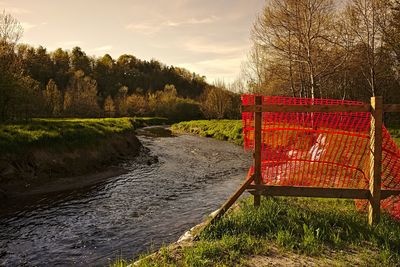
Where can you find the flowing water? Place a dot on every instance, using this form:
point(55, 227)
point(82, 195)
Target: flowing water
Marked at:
point(128, 214)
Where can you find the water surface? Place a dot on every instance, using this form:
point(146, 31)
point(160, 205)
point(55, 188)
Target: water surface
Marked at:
point(129, 214)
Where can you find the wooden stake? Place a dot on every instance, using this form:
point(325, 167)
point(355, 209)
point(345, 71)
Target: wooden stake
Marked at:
point(257, 149)
point(375, 160)
point(232, 200)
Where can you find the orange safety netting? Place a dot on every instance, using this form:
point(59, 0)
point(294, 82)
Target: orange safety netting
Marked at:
point(321, 149)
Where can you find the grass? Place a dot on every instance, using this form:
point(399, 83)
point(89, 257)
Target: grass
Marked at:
point(56, 133)
point(228, 130)
point(395, 133)
point(319, 229)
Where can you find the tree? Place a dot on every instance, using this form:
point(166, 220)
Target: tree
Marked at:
point(136, 105)
point(109, 107)
point(10, 29)
point(38, 64)
point(294, 41)
point(53, 98)
point(10, 71)
point(81, 96)
point(61, 66)
point(104, 72)
point(121, 101)
point(79, 61)
point(216, 103)
point(367, 25)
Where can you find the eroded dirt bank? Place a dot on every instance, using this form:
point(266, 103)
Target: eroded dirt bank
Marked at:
point(47, 169)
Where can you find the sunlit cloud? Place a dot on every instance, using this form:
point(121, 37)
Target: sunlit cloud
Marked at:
point(69, 43)
point(103, 48)
point(217, 69)
point(153, 27)
point(144, 28)
point(191, 21)
point(201, 45)
point(13, 10)
point(27, 26)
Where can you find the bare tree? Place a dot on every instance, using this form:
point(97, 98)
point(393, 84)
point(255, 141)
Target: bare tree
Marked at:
point(10, 33)
point(367, 25)
point(299, 37)
point(10, 29)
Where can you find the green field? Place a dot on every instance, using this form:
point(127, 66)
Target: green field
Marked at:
point(16, 138)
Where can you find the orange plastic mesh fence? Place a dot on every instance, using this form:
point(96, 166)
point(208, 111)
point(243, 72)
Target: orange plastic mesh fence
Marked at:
point(321, 149)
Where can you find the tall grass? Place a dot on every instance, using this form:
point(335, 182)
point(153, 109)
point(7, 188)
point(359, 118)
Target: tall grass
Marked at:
point(314, 227)
point(16, 138)
point(306, 225)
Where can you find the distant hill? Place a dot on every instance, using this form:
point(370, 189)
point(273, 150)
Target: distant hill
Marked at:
point(139, 76)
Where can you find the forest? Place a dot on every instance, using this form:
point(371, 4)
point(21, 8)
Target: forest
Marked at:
point(317, 49)
point(61, 83)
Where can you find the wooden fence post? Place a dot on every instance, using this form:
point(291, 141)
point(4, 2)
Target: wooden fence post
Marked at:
point(375, 160)
point(257, 149)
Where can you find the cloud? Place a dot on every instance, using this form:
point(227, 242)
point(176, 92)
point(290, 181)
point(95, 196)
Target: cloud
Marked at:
point(70, 43)
point(155, 26)
point(27, 26)
point(200, 45)
point(13, 10)
point(144, 28)
point(218, 68)
point(103, 48)
point(191, 21)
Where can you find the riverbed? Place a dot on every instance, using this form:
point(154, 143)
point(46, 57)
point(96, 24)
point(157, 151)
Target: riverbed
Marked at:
point(129, 214)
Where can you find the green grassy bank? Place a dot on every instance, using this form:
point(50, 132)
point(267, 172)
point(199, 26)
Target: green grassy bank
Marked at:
point(34, 155)
point(228, 130)
point(61, 133)
point(288, 231)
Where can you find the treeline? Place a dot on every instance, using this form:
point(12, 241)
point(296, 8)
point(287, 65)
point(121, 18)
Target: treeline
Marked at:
point(328, 49)
point(38, 83)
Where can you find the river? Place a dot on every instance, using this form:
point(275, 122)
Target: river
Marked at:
point(129, 214)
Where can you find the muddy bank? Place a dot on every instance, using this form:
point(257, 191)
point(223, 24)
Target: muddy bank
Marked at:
point(47, 169)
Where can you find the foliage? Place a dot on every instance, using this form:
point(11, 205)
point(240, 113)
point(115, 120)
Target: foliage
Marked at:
point(219, 103)
point(80, 98)
point(230, 130)
point(109, 107)
point(166, 103)
point(53, 99)
point(15, 138)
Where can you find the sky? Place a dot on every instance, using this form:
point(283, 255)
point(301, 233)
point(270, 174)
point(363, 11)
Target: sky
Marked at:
point(209, 37)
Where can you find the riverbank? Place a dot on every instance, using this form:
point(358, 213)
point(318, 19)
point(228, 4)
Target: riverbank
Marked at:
point(225, 130)
point(283, 231)
point(36, 154)
point(287, 232)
